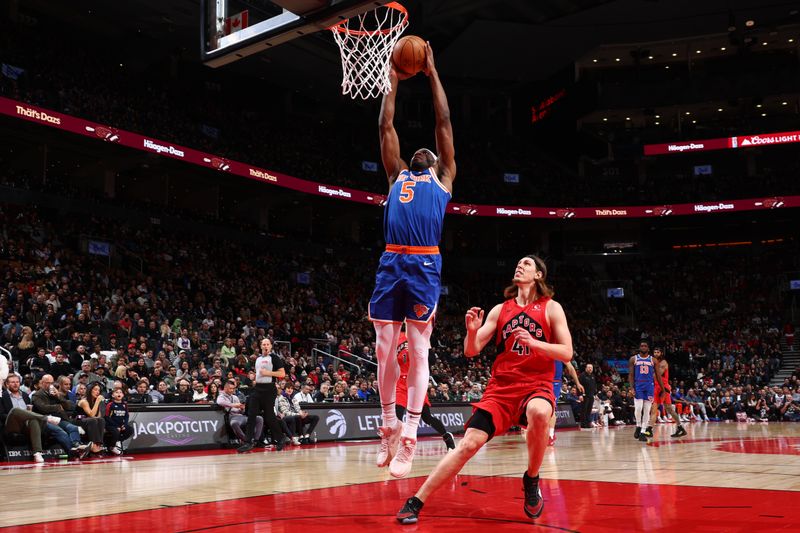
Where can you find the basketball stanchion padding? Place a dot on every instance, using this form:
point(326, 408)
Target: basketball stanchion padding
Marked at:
point(365, 44)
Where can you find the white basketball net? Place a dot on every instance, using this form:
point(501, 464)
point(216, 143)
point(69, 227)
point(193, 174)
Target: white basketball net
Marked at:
point(366, 43)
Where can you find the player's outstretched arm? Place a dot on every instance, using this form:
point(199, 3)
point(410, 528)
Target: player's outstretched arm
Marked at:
point(479, 335)
point(390, 143)
point(444, 129)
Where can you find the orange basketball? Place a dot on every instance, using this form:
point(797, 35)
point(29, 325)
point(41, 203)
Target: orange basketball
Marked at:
point(409, 56)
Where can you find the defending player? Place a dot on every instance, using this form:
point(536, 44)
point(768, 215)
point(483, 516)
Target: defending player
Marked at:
point(557, 393)
point(402, 396)
point(641, 377)
point(663, 393)
point(530, 331)
point(407, 284)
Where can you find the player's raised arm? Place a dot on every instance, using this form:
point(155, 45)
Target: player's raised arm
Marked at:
point(479, 335)
point(390, 143)
point(444, 129)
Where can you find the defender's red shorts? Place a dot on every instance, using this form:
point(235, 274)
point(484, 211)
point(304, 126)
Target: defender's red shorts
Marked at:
point(506, 402)
point(662, 397)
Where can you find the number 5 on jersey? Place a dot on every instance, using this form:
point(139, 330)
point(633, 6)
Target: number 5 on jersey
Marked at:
point(407, 191)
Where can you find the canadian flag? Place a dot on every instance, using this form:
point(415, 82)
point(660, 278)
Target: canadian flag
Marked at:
point(236, 22)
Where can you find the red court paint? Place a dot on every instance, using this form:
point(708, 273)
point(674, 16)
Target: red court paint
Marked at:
point(470, 502)
point(776, 446)
point(761, 445)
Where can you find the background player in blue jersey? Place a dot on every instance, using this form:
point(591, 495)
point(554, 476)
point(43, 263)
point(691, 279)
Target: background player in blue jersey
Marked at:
point(407, 284)
point(641, 371)
point(557, 382)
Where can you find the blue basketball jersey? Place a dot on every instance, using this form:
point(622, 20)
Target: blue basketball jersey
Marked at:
point(559, 371)
point(415, 209)
point(643, 371)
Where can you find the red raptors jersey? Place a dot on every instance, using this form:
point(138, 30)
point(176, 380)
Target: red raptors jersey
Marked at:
point(517, 363)
point(402, 382)
point(402, 356)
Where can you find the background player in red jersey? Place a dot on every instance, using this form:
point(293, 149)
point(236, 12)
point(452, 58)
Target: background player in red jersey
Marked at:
point(408, 281)
point(531, 332)
point(402, 394)
point(662, 395)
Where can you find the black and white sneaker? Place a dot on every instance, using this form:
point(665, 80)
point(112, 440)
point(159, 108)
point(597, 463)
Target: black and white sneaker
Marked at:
point(409, 514)
point(534, 503)
point(449, 441)
point(637, 432)
point(680, 432)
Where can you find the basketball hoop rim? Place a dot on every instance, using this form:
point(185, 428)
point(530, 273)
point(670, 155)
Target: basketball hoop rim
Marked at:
point(341, 27)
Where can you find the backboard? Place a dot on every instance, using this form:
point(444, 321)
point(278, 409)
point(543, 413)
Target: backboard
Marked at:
point(233, 29)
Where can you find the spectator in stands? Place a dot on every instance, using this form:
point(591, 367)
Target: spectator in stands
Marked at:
point(16, 416)
point(46, 401)
point(286, 412)
point(100, 376)
point(90, 416)
point(158, 394)
point(212, 392)
point(141, 394)
point(65, 389)
point(339, 391)
point(725, 409)
point(363, 392)
point(171, 379)
point(791, 410)
point(228, 352)
point(373, 389)
point(324, 394)
point(712, 405)
point(445, 394)
point(184, 392)
point(306, 394)
point(60, 367)
point(199, 395)
point(475, 393)
point(12, 330)
point(306, 422)
point(352, 395)
point(229, 401)
point(117, 426)
point(85, 369)
point(698, 405)
point(25, 347)
point(78, 357)
point(38, 364)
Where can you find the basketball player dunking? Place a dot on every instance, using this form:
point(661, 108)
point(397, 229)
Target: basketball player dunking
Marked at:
point(662, 395)
point(557, 382)
point(530, 331)
point(641, 377)
point(407, 284)
point(401, 399)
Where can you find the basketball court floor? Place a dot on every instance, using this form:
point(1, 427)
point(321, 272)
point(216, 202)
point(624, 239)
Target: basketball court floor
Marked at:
point(721, 477)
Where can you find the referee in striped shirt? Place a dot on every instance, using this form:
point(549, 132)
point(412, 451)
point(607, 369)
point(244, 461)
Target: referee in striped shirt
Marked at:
point(269, 367)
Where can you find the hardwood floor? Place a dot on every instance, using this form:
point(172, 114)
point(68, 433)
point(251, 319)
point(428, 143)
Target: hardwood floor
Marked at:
point(713, 457)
